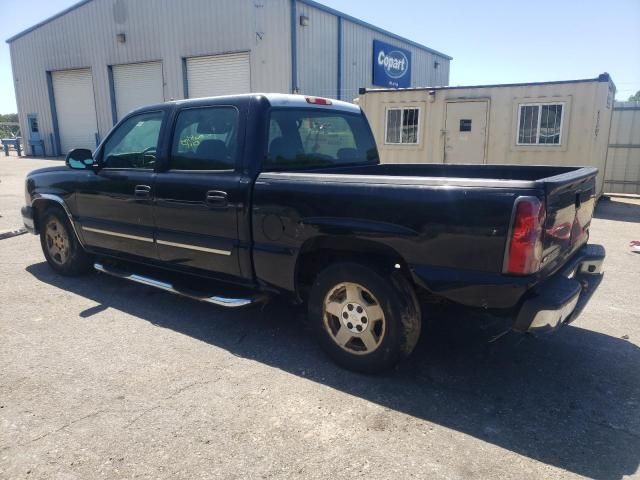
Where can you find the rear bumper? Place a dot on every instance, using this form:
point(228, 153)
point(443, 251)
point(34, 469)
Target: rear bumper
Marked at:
point(27, 219)
point(559, 300)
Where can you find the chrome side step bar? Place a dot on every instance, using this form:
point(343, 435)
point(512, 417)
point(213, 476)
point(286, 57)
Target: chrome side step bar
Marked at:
point(168, 287)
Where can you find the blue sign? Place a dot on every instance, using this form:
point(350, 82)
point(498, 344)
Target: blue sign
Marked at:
point(391, 66)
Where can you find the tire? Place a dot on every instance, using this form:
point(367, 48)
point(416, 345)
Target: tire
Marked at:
point(60, 245)
point(365, 321)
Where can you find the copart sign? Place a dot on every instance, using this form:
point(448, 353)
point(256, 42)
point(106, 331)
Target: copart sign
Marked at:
point(391, 66)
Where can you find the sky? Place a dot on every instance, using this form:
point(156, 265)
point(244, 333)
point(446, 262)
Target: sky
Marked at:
point(491, 41)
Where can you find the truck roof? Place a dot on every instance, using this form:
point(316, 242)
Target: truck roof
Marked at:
point(278, 100)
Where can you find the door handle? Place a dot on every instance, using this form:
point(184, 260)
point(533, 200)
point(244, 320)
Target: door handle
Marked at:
point(216, 198)
point(142, 191)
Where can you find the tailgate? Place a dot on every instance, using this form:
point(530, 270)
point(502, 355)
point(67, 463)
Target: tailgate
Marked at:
point(570, 199)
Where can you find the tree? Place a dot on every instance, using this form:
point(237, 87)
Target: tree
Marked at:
point(9, 117)
point(636, 97)
point(8, 131)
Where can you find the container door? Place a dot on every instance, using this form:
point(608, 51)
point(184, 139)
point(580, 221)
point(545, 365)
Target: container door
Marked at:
point(218, 75)
point(137, 85)
point(465, 132)
point(75, 109)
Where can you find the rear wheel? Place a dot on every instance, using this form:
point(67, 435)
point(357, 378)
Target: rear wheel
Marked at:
point(60, 245)
point(366, 321)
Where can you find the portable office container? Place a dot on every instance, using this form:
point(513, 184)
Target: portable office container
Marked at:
point(546, 123)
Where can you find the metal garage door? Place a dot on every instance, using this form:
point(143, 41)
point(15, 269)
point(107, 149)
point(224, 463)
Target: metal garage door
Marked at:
point(75, 109)
point(218, 75)
point(136, 85)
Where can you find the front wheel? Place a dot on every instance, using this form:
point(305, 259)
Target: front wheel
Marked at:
point(365, 321)
point(60, 245)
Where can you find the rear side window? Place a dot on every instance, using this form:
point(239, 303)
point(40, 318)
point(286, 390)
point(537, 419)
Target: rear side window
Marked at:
point(205, 139)
point(301, 139)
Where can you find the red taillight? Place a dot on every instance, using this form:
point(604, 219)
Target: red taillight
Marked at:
point(524, 254)
point(318, 100)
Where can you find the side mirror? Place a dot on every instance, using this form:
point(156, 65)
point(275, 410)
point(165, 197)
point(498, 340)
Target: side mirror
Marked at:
point(80, 159)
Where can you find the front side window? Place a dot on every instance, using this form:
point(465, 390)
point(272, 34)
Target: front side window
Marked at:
point(402, 126)
point(540, 124)
point(205, 139)
point(300, 138)
point(133, 144)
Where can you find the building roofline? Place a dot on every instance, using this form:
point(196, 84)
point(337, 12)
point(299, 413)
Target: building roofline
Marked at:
point(604, 77)
point(310, 3)
point(47, 20)
point(362, 23)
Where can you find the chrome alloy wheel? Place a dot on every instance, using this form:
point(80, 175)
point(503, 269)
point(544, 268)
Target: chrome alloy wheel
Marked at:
point(354, 318)
point(57, 240)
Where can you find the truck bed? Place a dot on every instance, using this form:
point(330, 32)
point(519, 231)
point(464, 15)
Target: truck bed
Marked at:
point(450, 222)
point(523, 176)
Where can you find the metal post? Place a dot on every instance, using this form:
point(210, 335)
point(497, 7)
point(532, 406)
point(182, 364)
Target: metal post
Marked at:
point(294, 46)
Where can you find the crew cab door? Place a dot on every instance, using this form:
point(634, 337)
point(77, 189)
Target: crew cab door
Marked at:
point(200, 192)
point(115, 204)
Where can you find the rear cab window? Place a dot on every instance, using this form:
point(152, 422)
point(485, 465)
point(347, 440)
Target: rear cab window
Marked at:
point(313, 138)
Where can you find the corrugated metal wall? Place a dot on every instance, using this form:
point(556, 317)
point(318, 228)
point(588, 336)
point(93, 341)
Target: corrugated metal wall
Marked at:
point(165, 30)
point(317, 52)
point(357, 61)
point(317, 56)
point(623, 155)
point(170, 31)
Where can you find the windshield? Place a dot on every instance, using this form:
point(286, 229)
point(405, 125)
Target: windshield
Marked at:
point(300, 139)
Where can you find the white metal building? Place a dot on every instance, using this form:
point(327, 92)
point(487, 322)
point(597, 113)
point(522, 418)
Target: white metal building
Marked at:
point(546, 123)
point(80, 71)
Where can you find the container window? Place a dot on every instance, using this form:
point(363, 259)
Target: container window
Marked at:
point(540, 124)
point(402, 126)
point(465, 125)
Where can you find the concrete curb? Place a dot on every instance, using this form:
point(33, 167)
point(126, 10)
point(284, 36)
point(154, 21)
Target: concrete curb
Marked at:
point(12, 233)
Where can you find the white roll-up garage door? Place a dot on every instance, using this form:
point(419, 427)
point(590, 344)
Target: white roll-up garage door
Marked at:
point(136, 85)
point(75, 108)
point(218, 75)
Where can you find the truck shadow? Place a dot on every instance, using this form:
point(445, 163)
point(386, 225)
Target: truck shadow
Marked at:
point(571, 400)
point(619, 209)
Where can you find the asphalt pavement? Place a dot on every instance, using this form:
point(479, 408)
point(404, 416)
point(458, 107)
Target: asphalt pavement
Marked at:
point(101, 378)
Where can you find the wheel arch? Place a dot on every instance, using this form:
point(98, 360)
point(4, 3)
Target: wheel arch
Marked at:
point(318, 252)
point(42, 201)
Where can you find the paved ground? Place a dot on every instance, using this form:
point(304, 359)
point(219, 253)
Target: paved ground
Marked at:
point(100, 378)
point(12, 172)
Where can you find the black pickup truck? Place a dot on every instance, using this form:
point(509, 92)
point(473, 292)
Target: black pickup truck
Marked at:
point(232, 200)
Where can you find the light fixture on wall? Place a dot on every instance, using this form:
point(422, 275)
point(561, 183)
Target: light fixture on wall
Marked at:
point(436, 64)
point(121, 37)
point(304, 21)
